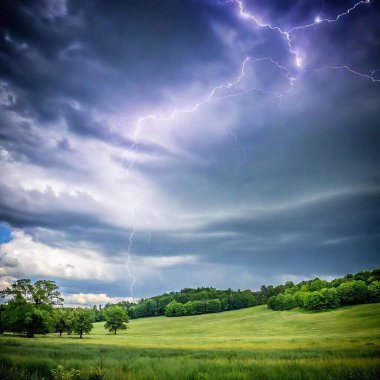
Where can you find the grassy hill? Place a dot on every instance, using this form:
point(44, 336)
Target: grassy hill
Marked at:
point(243, 344)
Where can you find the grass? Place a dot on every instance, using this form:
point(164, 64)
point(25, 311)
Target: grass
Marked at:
point(253, 343)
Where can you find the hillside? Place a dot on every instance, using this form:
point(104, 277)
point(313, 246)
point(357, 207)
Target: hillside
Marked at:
point(240, 344)
point(257, 327)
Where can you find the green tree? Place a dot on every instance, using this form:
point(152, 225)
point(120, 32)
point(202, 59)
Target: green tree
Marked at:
point(116, 318)
point(2, 318)
point(175, 309)
point(299, 298)
point(318, 284)
point(42, 292)
point(331, 297)
point(213, 306)
point(24, 318)
point(61, 321)
point(150, 308)
point(374, 291)
point(80, 321)
point(315, 301)
point(353, 292)
point(288, 302)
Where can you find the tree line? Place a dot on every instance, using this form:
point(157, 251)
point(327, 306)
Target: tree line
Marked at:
point(37, 308)
point(317, 294)
point(314, 294)
point(190, 301)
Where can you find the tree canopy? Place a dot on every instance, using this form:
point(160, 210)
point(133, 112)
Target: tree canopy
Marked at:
point(116, 318)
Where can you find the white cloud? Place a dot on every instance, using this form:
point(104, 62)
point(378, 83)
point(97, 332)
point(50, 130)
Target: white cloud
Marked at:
point(166, 261)
point(92, 299)
point(36, 259)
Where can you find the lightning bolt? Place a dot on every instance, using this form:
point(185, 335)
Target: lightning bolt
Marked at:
point(129, 255)
point(345, 67)
point(212, 95)
point(286, 34)
point(319, 20)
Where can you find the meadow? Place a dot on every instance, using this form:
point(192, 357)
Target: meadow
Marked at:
point(252, 343)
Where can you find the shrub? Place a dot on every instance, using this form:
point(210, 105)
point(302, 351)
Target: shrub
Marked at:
point(60, 373)
point(213, 306)
point(331, 297)
point(315, 301)
point(96, 373)
point(353, 292)
point(374, 291)
point(299, 298)
point(276, 302)
point(175, 309)
point(288, 302)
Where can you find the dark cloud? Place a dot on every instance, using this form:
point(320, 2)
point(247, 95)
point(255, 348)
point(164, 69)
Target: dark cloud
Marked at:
point(273, 177)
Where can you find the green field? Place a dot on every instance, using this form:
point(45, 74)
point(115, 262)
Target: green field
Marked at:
point(243, 344)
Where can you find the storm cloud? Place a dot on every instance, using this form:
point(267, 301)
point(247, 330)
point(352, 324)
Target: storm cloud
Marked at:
point(107, 127)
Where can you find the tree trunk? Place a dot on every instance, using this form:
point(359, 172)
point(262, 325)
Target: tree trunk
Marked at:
point(29, 334)
point(60, 333)
point(115, 331)
point(80, 334)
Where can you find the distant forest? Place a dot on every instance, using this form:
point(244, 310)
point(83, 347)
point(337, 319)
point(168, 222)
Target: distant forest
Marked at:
point(316, 294)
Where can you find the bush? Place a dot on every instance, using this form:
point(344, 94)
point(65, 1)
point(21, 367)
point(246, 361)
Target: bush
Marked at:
point(61, 374)
point(276, 302)
point(374, 291)
point(213, 306)
point(331, 297)
point(175, 309)
point(299, 298)
point(288, 302)
point(318, 284)
point(96, 373)
point(353, 292)
point(315, 301)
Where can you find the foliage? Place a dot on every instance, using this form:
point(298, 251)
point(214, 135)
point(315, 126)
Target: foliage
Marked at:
point(175, 309)
point(374, 291)
point(353, 292)
point(116, 318)
point(42, 292)
point(61, 321)
point(80, 321)
point(60, 373)
point(350, 289)
point(22, 317)
point(96, 373)
point(321, 295)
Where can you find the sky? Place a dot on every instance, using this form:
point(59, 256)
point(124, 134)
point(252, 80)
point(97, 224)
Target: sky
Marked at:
point(147, 146)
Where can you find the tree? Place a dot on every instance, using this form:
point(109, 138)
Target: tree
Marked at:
point(80, 321)
point(116, 318)
point(24, 318)
point(175, 309)
point(299, 298)
point(288, 302)
point(150, 308)
point(213, 306)
point(60, 321)
point(315, 301)
point(353, 292)
point(318, 284)
point(331, 297)
point(2, 318)
point(132, 312)
point(374, 291)
point(42, 292)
